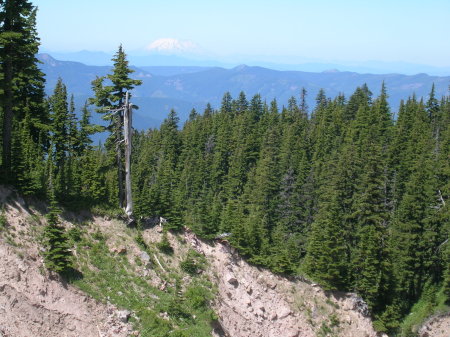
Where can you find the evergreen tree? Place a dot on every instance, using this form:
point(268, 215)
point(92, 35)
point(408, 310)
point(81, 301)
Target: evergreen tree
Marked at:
point(22, 83)
point(408, 234)
point(60, 140)
point(28, 160)
point(109, 98)
point(57, 255)
point(326, 257)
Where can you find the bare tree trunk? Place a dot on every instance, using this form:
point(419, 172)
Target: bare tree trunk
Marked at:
point(127, 135)
point(119, 140)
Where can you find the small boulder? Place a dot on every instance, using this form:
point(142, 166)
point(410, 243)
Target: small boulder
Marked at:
point(123, 315)
point(232, 280)
point(283, 312)
point(145, 257)
point(292, 332)
point(271, 284)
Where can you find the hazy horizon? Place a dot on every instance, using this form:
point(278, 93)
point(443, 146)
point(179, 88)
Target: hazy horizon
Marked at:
point(252, 32)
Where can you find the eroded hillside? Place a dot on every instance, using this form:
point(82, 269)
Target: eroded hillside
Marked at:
point(163, 284)
point(34, 302)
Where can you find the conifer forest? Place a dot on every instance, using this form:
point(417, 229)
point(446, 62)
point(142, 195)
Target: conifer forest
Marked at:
point(346, 193)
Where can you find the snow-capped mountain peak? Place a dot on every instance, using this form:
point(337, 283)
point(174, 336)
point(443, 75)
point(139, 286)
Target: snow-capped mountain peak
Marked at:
point(172, 46)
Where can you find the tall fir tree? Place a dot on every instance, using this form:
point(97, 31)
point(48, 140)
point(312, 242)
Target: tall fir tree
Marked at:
point(108, 99)
point(22, 83)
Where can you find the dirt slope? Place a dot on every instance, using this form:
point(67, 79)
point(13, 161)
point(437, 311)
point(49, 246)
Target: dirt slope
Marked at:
point(438, 326)
point(34, 303)
point(252, 302)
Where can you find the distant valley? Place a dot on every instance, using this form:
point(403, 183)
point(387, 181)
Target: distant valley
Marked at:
point(185, 87)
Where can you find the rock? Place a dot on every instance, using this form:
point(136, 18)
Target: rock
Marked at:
point(120, 250)
point(145, 257)
point(123, 315)
point(360, 306)
point(232, 280)
point(22, 267)
point(283, 312)
point(347, 319)
point(271, 284)
point(292, 332)
point(273, 316)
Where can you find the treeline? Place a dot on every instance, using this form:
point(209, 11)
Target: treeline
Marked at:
point(46, 150)
point(342, 193)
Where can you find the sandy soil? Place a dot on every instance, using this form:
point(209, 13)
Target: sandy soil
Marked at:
point(437, 326)
point(34, 303)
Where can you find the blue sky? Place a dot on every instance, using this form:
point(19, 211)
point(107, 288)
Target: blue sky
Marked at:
point(279, 31)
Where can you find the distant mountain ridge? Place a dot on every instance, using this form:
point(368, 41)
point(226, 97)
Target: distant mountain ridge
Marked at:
point(142, 58)
point(183, 88)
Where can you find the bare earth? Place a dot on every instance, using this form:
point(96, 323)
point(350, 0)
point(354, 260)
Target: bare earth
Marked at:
point(438, 326)
point(255, 303)
point(34, 303)
point(250, 302)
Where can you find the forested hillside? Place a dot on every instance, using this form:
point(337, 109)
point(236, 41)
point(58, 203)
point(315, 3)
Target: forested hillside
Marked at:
point(164, 88)
point(340, 192)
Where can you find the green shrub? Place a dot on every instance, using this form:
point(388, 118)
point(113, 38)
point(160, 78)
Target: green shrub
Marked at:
point(177, 310)
point(198, 297)
point(75, 234)
point(180, 333)
point(3, 220)
point(193, 262)
point(324, 331)
point(98, 236)
point(140, 241)
point(164, 245)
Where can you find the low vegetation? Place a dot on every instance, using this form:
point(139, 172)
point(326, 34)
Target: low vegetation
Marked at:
point(172, 308)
